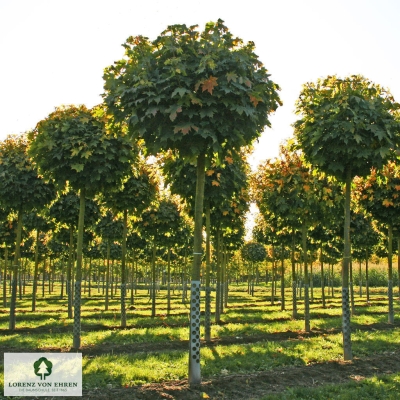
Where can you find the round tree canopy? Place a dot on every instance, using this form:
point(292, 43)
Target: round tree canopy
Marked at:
point(191, 91)
point(72, 144)
point(348, 124)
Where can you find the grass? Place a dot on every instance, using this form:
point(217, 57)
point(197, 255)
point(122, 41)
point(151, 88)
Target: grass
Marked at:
point(386, 387)
point(244, 318)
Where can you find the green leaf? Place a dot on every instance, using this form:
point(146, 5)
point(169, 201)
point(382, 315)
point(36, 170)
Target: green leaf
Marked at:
point(180, 91)
point(358, 138)
point(77, 167)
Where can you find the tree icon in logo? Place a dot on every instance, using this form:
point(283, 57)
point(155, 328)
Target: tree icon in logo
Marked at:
point(43, 367)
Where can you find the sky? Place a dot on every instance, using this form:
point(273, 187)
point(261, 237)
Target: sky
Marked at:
point(54, 52)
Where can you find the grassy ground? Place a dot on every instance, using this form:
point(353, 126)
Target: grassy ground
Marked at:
point(253, 338)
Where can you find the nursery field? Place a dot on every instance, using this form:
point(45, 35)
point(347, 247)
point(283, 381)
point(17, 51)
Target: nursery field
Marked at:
point(257, 351)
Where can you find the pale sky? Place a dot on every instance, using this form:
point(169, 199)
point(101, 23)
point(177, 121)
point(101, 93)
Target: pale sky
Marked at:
point(54, 52)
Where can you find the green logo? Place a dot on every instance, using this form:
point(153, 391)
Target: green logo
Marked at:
point(43, 367)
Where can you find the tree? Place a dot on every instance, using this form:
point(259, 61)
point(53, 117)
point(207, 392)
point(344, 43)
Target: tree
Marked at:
point(73, 145)
point(109, 228)
point(224, 191)
point(65, 210)
point(253, 253)
point(136, 193)
point(379, 195)
point(347, 126)
point(204, 88)
point(160, 224)
point(21, 190)
point(297, 198)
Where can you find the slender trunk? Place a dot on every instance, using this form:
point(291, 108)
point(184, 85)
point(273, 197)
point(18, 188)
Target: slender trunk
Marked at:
point(36, 271)
point(273, 276)
point(366, 275)
point(322, 277)
point(398, 262)
point(13, 302)
point(347, 352)
point(311, 280)
point(306, 292)
point(352, 304)
point(282, 280)
point(78, 273)
point(43, 275)
point(207, 319)
point(50, 276)
point(218, 284)
point(62, 283)
point(153, 278)
point(294, 278)
point(5, 277)
point(360, 278)
point(226, 285)
point(107, 275)
point(222, 283)
point(169, 282)
point(390, 275)
point(194, 339)
point(133, 286)
point(69, 270)
point(123, 270)
point(90, 277)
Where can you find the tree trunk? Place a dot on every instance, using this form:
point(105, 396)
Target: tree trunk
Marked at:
point(294, 278)
point(194, 339)
point(347, 352)
point(282, 280)
point(169, 282)
point(398, 263)
point(353, 307)
point(311, 281)
point(306, 280)
point(322, 278)
point(36, 271)
point(123, 270)
point(273, 277)
point(5, 277)
point(218, 284)
point(13, 302)
point(90, 277)
point(78, 273)
point(153, 283)
point(366, 275)
point(69, 270)
point(207, 317)
point(107, 275)
point(390, 274)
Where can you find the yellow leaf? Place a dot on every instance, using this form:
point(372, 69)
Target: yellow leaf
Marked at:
point(229, 160)
point(209, 172)
point(387, 203)
point(204, 395)
point(209, 84)
point(225, 212)
point(215, 183)
point(254, 100)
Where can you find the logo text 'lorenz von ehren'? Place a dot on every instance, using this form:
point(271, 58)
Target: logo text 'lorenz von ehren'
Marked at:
point(42, 374)
point(43, 367)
